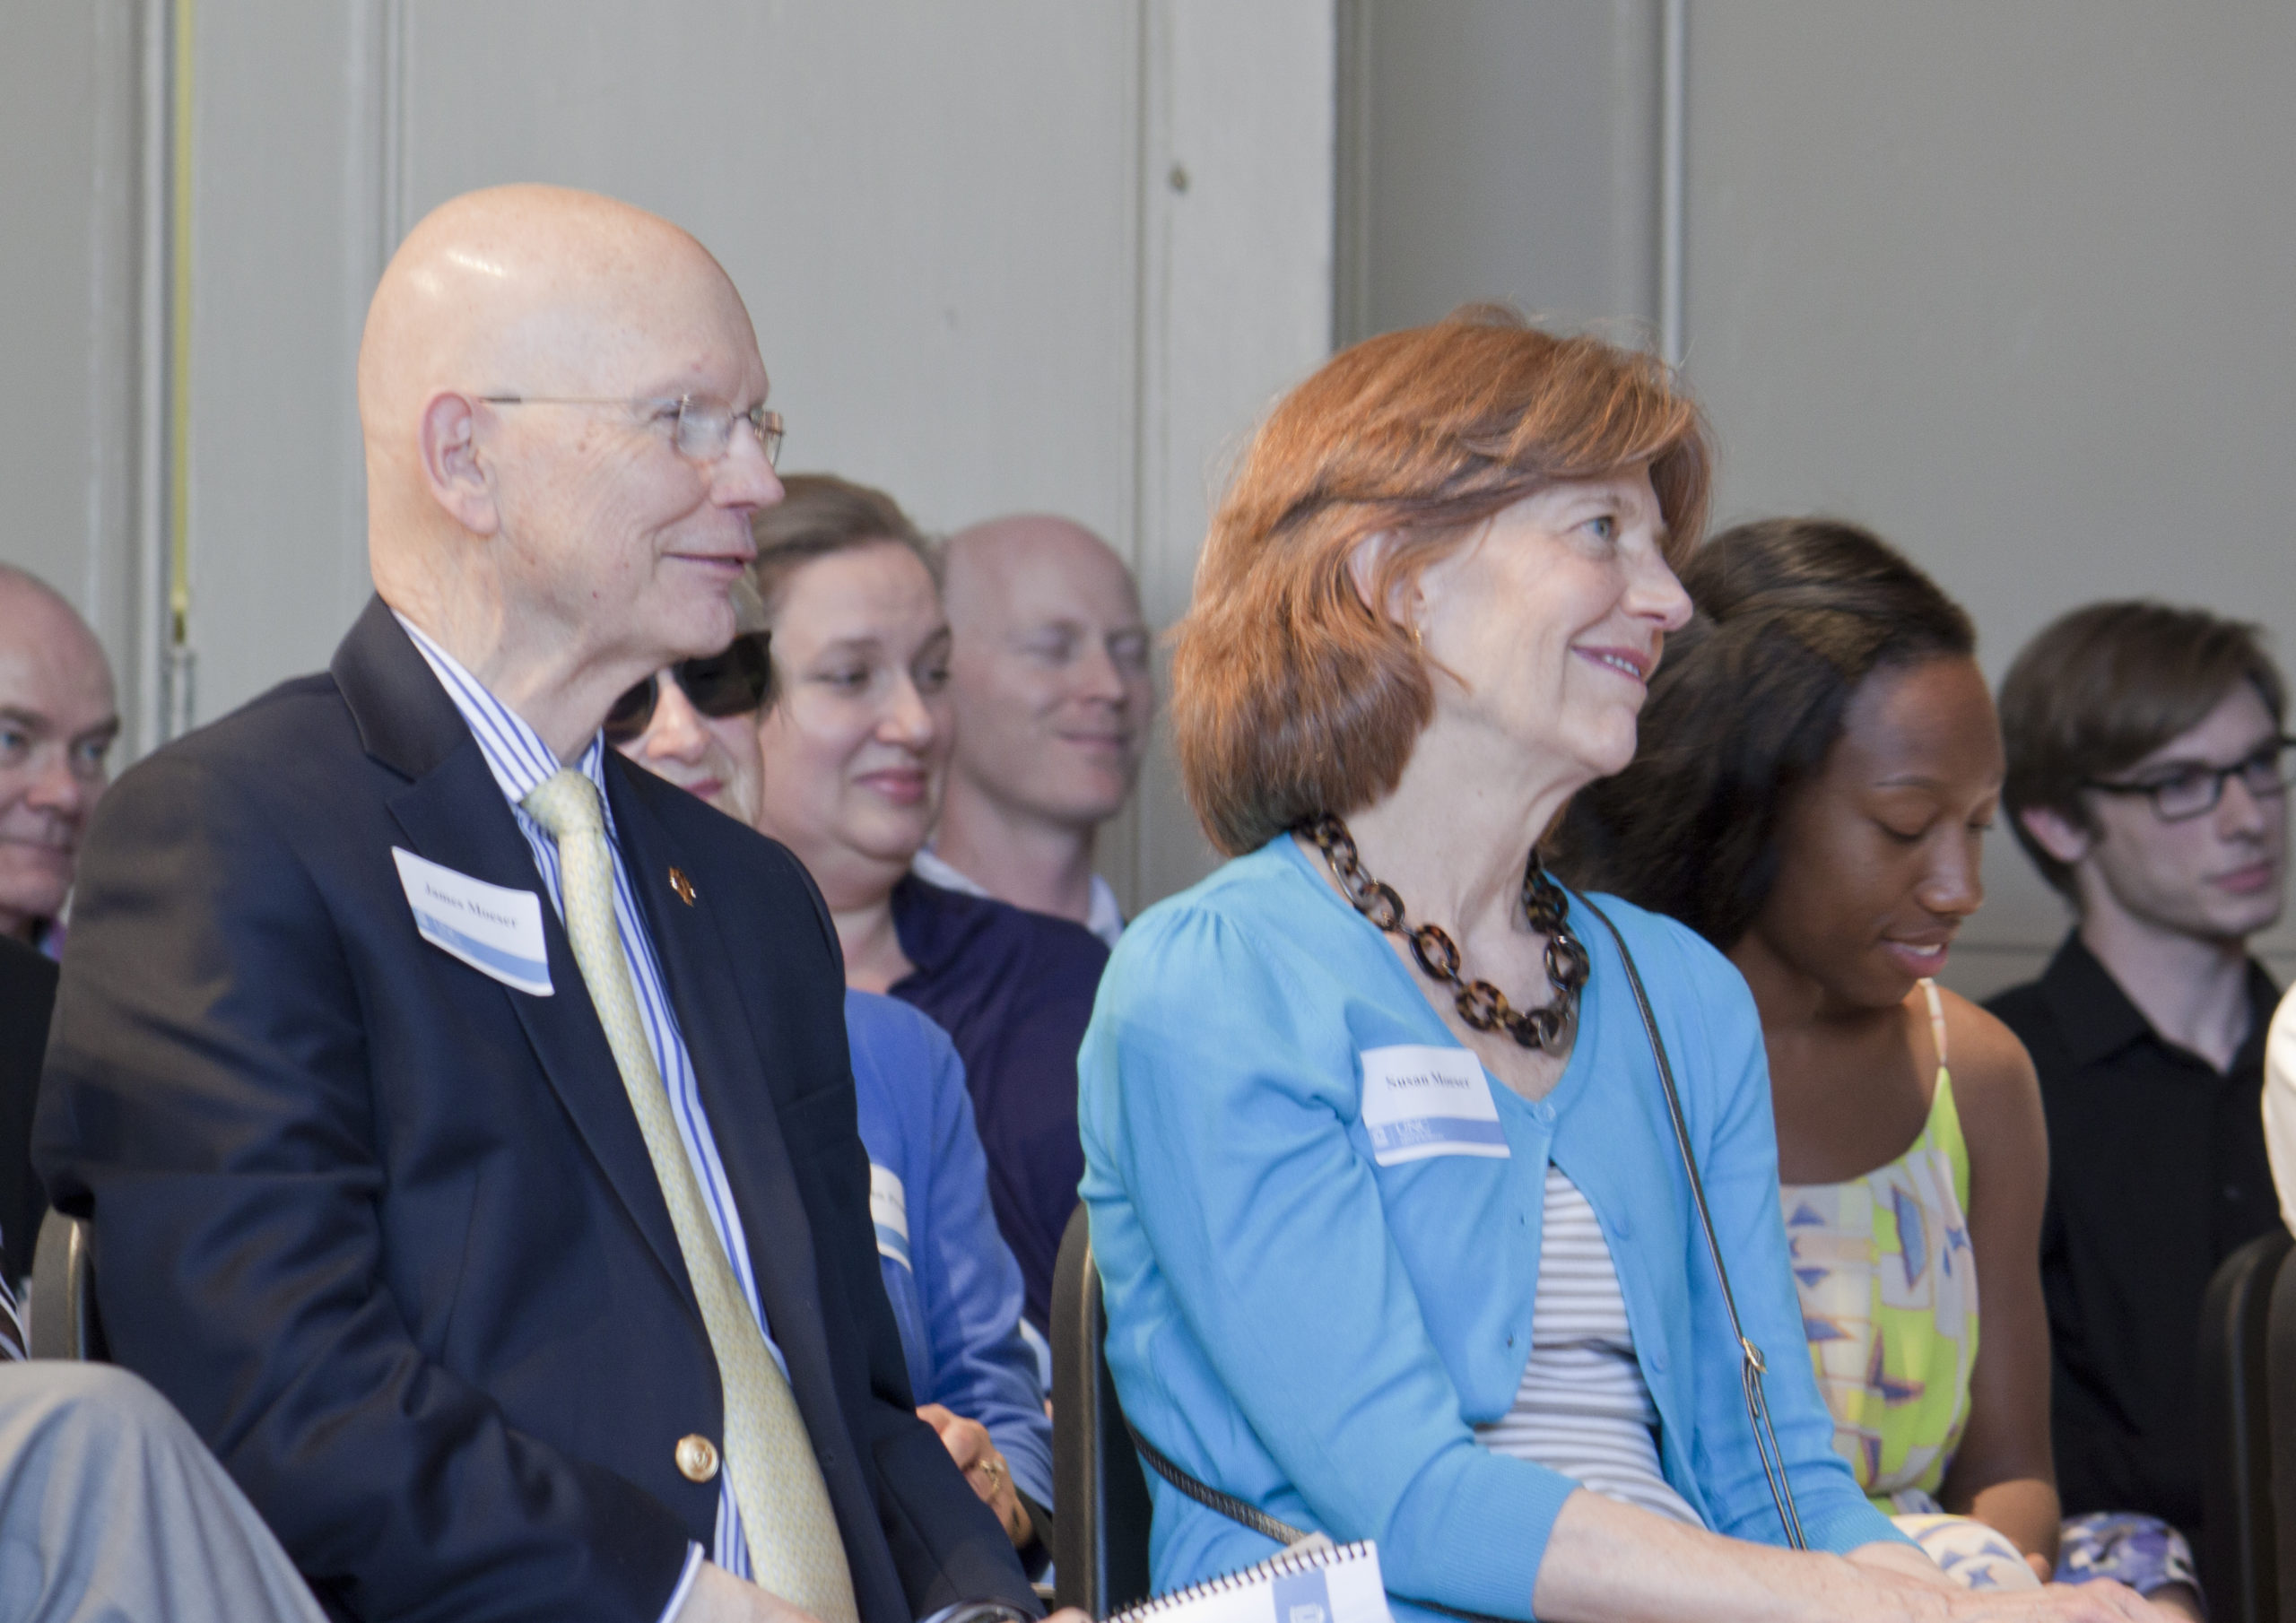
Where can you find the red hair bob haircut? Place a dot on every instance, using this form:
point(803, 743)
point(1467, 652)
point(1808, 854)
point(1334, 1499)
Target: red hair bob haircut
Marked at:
point(1290, 696)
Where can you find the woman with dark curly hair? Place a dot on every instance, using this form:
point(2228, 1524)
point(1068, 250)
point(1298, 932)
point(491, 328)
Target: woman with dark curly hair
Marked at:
point(1390, 1191)
point(1819, 763)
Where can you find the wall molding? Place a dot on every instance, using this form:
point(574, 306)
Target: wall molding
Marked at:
point(147, 552)
point(1674, 199)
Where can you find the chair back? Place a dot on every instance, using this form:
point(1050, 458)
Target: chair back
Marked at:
point(2237, 1567)
point(63, 1307)
point(2278, 1498)
point(1100, 1529)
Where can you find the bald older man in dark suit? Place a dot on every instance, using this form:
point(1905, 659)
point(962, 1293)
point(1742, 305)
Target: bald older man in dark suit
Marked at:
point(465, 1116)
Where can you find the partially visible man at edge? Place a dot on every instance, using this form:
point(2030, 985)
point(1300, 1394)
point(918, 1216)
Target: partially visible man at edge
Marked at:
point(477, 1243)
point(2147, 781)
point(1049, 673)
point(58, 721)
point(58, 718)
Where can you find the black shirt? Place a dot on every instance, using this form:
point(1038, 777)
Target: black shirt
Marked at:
point(1014, 989)
point(2157, 1174)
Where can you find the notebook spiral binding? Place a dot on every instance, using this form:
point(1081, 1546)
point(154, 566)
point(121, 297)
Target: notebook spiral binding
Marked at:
point(1276, 1566)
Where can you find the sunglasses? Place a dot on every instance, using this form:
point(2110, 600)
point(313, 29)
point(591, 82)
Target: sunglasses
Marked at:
point(732, 683)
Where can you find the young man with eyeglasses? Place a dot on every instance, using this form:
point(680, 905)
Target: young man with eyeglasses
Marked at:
point(2148, 782)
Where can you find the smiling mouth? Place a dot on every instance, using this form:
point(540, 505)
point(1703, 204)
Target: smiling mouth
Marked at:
point(1625, 664)
point(1920, 955)
point(902, 787)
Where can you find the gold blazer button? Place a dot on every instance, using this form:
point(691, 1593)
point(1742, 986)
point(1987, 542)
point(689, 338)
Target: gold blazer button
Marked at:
point(697, 1458)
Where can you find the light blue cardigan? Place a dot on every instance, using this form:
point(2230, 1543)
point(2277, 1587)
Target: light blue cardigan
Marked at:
point(1315, 1334)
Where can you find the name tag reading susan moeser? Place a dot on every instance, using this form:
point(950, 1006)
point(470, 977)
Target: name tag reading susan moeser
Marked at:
point(1422, 1101)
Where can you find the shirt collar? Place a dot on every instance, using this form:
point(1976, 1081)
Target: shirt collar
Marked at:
point(514, 751)
point(2096, 1020)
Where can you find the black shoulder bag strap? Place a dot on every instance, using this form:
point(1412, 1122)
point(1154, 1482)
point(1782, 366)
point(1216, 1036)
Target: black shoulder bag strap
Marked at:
point(1751, 1363)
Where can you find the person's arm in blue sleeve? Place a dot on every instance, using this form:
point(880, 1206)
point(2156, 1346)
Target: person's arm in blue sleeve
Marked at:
point(1216, 1092)
point(1738, 1164)
point(982, 1369)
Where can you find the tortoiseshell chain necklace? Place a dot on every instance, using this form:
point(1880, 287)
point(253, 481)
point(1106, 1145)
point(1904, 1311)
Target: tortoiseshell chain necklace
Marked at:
point(1479, 1002)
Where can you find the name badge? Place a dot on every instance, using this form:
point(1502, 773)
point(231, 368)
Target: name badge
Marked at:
point(496, 932)
point(889, 1210)
point(1422, 1101)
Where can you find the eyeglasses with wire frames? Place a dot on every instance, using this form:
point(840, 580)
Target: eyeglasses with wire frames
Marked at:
point(2194, 790)
point(704, 428)
point(718, 685)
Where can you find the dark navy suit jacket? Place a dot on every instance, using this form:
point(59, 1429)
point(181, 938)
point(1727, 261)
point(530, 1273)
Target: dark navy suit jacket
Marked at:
point(384, 1229)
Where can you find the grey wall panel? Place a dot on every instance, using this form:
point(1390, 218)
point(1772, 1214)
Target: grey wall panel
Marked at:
point(2016, 284)
point(71, 119)
point(283, 257)
point(47, 70)
point(929, 212)
point(1499, 149)
point(964, 285)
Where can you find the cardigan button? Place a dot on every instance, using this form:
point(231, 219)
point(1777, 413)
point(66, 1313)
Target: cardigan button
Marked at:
point(697, 1458)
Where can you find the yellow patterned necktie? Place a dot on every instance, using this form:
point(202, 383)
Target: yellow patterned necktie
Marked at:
point(794, 1550)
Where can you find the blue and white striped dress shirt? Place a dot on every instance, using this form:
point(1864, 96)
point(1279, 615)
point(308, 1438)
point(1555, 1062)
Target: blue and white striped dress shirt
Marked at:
point(521, 762)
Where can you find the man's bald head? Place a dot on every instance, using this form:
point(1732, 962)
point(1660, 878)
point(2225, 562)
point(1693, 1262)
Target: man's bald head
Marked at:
point(530, 504)
point(530, 290)
point(985, 560)
point(57, 720)
point(1048, 666)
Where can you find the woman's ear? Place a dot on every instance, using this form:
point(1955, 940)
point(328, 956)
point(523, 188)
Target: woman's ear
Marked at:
point(2057, 834)
point(1403, 597)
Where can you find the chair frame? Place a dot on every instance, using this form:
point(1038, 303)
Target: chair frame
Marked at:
point(65, 1323)
point(2239, 1565)
point(1100, 1534)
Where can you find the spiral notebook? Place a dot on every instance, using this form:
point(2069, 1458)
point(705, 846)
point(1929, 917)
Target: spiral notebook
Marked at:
point(1329, 1583)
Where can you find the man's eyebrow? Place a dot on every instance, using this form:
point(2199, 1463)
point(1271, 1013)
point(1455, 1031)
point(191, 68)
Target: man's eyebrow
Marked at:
point(2185, 763)
point(109, 725)
point(30, 718)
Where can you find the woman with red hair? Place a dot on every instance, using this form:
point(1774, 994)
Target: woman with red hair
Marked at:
point(1433, 1204)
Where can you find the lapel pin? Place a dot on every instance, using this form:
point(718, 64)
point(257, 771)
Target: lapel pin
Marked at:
point(684, 886)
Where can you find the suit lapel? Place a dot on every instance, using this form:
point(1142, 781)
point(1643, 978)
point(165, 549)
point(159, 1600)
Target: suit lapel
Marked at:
point(727, 1055)
point(455, 815)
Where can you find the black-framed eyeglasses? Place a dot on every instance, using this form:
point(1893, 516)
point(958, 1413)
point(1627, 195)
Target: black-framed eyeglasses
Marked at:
point(704, 427)
point(2195, 791)
point(732, 683)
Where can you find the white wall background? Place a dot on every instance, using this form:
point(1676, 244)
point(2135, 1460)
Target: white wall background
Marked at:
point(75, 328)
point(2013, 280)
point(2016, 285)
point(1023, 254)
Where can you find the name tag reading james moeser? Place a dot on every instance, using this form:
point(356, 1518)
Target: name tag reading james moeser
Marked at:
point(495, 931)
point(1423, 1101)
